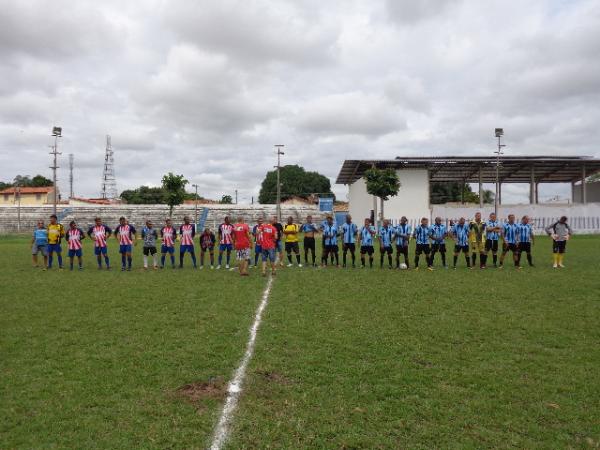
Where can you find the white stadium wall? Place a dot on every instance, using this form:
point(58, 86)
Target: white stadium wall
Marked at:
point(412, 200)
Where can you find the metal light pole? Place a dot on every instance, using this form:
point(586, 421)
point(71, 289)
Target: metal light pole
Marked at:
point(18, 190)
point(499, 132)
point(279, 148)
point(56, 132)
point(195, 205)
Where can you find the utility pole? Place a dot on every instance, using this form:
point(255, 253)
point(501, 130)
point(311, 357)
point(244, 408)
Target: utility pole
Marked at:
point(236, 196)
point(71, 159)
point(108, 188)
point(56, 132)
point(279, 148)
point(196, 204)
point(18, 190)
point(499, 132)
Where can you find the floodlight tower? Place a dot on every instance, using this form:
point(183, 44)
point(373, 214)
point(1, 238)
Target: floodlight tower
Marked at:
point(56, 132)
point(109, 182)
point(499, 132)
point(279, 148)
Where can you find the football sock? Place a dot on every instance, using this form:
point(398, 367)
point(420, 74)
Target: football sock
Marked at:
point(60, 262)
point(337, 259)
point(173, 260)
point(495, 258)
point(193, 255)
point(561, 257)
point(220, 258)
point(123, 260)
point(162, 260)
point(228, 257)
point(155, 260)
point(314, 257)
point(362, 261)
point(555, 258)
point(468, 261)
point(129, 259)
point(473, 258)
point(417, 261)
point(443, 255)
point(371, 261)
point(50, 260)
point(529, 259)
point(99, 258)
point(381, 260)
point(106, 260)
point(397, 260)
point(482, 260)
point(353, 258)
point(145, 261)
point(390, 260)
point(298, 258)
point(455, 260)
point(289, 257)
point(71, 265)
point(344, 257)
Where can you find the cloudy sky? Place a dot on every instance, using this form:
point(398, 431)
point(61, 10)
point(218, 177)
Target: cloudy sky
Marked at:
point(206, 88)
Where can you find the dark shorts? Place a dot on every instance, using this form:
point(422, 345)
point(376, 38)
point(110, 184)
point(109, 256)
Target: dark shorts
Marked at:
point(525, 247)
point(491, 244)
point(422, 248)
point(54, 248)
point(257, 249)
point(461, 248)
point(125, 248)
point(292, 247)
point(388, 249)
point(331, 248)
point(439, 247)
point(223, 247)
point(186, 248)
point(167, 249)
point(309, 242)
point(149, 251)
point(210, 249)
point(100, 250)
point(559, 246)
point(366, 249)
point(402, 249)
point(77, 252)
point(510, 247)
point(349, 246)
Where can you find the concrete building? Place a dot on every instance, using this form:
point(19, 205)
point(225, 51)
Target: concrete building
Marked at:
point(417, 173)
point(34, 196)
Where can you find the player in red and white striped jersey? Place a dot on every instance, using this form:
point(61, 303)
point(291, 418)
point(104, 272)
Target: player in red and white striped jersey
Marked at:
point(187, 231)
point(100, 233)
point(74, 237)
point(168, 233)
point(125, 234)
point(225, 241)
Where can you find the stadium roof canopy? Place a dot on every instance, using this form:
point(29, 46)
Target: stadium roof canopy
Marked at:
point(473, 169)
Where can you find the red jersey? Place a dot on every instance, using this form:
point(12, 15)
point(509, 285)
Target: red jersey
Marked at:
point(168, 236)
point(268, 236)
point(100, 234)
point(74, 237)
point(125, 234)
point(240, 231)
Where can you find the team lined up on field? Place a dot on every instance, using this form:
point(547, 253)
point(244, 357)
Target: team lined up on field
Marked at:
point(476, 238)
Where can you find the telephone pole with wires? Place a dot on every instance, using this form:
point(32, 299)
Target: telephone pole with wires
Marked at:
point(279, 148)
point(499, 132)
point(56, 132)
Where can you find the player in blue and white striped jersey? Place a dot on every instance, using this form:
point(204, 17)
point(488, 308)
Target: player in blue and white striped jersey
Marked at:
point(386, 233)
point(349, 231)
point(460, 233)
point(366, 236)
point(525, 240)
point(402, 236)
point(492, 234)
point(510, 236)
point(422, 234)
point(438, 241)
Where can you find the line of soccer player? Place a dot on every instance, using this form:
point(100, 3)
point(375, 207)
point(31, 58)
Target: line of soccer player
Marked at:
point(475, 239)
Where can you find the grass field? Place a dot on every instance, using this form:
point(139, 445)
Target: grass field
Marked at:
point(345, 359)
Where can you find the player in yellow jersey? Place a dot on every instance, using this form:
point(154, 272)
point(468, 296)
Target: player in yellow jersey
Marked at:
point(55, 234)
point(477, 237)
point(290, 231)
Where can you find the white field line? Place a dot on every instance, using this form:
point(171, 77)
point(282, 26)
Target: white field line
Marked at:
point(234, 388)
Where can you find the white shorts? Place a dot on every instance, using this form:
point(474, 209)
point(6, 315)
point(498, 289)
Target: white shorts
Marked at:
point(243, 254)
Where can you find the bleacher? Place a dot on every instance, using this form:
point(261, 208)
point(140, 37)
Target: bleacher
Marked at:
point(138, 214)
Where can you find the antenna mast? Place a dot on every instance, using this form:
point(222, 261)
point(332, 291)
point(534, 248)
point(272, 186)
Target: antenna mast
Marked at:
point(109, 182)
point(71, 159)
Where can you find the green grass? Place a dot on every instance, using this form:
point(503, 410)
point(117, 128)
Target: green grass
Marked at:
point(344, 358)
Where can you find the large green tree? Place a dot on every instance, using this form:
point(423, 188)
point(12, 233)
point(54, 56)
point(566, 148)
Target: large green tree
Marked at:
point(382, 183)
point(27, 181)
point(144, 195)
point(174, 187)
point(226, 200)
point(295, 182)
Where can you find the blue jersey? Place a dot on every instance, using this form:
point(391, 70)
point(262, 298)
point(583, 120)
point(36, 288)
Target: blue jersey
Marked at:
point(349, 233)
point(509, 232)
point(402, 233)
point(491, 235)
point(41, 236)
point(366, 236)
point(461, 233)
point(309, 227)
point(438, 233)
point(525, 231)
point(385, 234)
point(422, 234)
point(330, 234)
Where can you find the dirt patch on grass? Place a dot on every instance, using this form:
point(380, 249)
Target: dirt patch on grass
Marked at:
point(198, 392)
point(273, 377)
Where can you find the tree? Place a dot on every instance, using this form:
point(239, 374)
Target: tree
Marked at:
point(144, 195)
point(174, 188)
point(457, 192)
point(40, 181)
point(382, 183)
point(295, 182)
point(593, 179)
point(226, 200)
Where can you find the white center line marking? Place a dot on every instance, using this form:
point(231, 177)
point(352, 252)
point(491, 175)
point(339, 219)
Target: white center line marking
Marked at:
point(234, 388)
